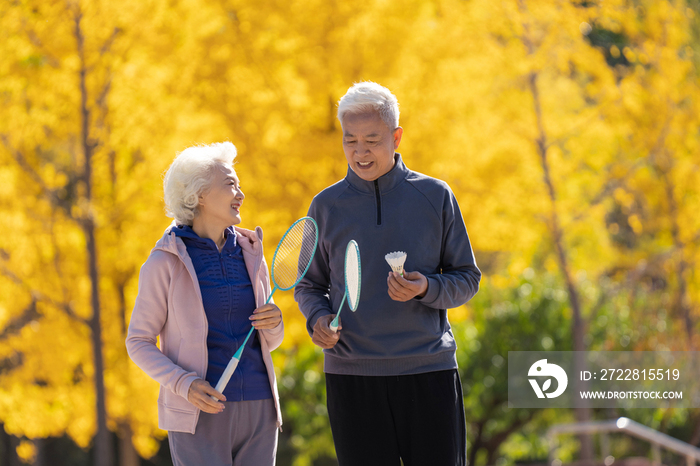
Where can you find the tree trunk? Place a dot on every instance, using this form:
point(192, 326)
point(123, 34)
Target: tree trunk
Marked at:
point(104, 451)
point(681, 307)
point(9, 448)
point(127, 452)
point(582, 409)
point(476, 444)
point(42, 457)
point(104, 454)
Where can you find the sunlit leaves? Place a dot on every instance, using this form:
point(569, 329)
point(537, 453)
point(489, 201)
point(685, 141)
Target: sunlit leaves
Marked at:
point(619, 105)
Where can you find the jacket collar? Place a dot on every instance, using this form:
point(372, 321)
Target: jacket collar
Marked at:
point(386, 182)
point(250, 241)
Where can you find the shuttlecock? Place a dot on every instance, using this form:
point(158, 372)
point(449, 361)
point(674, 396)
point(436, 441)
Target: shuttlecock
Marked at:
point(396, 260)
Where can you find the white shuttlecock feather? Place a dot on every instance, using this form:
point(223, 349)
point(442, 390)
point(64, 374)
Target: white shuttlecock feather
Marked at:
point(396, 260)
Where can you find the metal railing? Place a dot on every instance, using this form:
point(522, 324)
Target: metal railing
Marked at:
point(657, 439)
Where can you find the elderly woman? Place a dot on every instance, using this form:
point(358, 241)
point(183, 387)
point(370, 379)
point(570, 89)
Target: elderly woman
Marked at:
point(204, 284)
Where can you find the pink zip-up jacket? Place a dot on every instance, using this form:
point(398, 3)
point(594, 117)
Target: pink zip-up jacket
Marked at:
point(169, 305)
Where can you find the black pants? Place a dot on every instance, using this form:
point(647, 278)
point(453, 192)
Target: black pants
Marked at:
point(418, 418)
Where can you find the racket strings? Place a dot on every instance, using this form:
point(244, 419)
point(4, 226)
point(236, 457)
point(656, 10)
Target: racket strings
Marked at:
point(352, 277)
point(294, 254)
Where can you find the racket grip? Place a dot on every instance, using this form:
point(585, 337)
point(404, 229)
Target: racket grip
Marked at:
point(226, 376)
point(334, 323)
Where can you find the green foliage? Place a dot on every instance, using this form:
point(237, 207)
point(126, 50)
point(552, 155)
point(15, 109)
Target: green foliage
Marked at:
point(530, 316)
point(306, 439)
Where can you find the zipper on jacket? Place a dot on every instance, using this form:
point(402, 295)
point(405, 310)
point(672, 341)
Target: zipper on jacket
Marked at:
point(222, 264)
point(379, 202)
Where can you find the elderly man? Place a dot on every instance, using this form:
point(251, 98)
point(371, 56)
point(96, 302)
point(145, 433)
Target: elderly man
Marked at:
point(391, 372)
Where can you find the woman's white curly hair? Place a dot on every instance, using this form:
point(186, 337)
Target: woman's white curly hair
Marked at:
point(190, 176)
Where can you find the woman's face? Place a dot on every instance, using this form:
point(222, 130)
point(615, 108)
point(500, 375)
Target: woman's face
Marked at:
point(222, 203)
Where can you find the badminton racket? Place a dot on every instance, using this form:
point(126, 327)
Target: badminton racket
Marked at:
point(289, 265)
point(353, 275)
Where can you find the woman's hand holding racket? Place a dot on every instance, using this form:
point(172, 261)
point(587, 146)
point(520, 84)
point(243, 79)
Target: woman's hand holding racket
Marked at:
point(267, 316)
point(204, 397)
point(324, 336)
point(409, 286)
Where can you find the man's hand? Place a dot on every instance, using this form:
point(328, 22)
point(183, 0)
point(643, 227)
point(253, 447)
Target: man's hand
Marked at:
point(266, 316)
point(411, 285)
point(323, 335)
point(199, 395)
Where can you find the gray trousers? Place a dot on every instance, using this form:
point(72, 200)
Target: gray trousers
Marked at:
point(244, 434)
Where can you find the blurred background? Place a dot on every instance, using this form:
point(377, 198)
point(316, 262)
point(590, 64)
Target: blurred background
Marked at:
point(568, 130)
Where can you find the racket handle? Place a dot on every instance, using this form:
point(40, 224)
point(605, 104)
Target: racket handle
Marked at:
point(231, 367)
point(334, 324)
point(226, 376)
point(271, 293)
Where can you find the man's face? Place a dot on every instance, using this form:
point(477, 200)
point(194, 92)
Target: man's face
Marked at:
point(369, 144)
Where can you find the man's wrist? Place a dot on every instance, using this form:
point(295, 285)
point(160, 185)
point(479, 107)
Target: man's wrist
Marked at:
point(424, 290)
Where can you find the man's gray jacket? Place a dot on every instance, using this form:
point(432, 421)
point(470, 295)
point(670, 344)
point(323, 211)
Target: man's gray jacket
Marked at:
point(400, 211)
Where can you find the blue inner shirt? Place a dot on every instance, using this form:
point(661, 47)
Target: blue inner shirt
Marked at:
point(227, 295)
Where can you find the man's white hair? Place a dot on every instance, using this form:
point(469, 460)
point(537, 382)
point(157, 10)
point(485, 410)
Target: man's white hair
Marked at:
point(190, 175)
point(365, 97)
